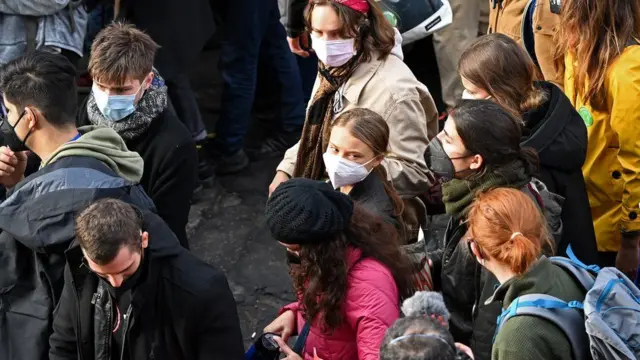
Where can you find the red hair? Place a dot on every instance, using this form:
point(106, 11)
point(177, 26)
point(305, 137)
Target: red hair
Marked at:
point(507, 225)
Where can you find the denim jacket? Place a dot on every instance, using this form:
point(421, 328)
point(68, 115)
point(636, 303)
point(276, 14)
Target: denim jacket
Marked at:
point(59, 31)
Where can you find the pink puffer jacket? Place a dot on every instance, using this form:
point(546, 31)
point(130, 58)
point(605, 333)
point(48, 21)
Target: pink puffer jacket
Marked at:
point(371, 305)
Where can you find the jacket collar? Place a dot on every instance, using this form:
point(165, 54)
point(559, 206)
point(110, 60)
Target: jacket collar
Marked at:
point(530, 282)
point(361, 76)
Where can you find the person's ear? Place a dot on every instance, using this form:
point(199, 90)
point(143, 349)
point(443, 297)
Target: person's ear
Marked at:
point(31, 114)
point(476, 162)
point(476, 251)
point(148, 80)
point(377, 161)
point(145, 239)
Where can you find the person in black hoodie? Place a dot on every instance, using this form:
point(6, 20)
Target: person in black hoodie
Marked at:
point(131, 292)
point(129, 96)
point(495, 67)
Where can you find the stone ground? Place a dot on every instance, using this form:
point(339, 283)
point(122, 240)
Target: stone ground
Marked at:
point(227, 227)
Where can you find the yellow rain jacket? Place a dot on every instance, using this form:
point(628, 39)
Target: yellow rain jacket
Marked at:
point(612, 167)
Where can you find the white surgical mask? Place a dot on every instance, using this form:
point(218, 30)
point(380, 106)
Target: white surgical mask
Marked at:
point(115, 107)
point(344, 172)
point(333, 53)
point(467, 96)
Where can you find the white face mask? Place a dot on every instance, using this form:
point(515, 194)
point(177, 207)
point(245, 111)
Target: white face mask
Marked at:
point(467, 96)
point(344, 172)
point(333, 53)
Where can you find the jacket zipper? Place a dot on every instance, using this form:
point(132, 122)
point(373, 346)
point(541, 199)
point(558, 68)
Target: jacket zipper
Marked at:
point(78, 331)
point(107, 328)
point(497, 3)
point(125, 331)
point(524, 17)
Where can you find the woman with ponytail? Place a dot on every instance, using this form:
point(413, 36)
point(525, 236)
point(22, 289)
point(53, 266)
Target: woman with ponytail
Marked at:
point(360, 66)
point(495, 67)
point(478, 150)
point(508, 235)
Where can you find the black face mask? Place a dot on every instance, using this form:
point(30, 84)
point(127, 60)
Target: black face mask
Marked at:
point(440, 163)
point(129, 283)
point(11, 139)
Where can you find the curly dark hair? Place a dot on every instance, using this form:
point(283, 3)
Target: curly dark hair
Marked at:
point(320, 281)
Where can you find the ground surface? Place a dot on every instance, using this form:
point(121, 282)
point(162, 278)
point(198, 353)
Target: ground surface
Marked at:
point(227, 226)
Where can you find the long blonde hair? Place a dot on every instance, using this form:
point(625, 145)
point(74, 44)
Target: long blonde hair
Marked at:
point(596, 32)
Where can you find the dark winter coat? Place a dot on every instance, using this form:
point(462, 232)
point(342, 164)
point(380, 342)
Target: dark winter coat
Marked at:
point(558, 133)
point(182, 310)
point(463, 281)
point(371, 195)
point(170, 167)
point(293, 17)
point(181, 28)
point(37, 222)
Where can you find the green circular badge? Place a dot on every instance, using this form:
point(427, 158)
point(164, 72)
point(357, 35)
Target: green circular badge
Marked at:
point(391, 17)
point(586, 116)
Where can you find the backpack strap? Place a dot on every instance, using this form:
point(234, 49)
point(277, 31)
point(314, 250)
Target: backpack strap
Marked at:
point(568, 317)
point(583, 275)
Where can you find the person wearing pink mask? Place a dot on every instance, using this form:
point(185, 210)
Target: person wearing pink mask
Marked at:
point(353, 42)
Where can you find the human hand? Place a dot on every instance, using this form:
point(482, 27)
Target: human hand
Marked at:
point(465, 349)
point(12, 166)
point(286, 350)
point(283, 325)
point(280, 177)
point(627, 259)
point(298, 44)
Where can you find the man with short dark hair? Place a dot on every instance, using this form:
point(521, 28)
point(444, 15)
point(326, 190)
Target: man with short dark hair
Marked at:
point(131, 292)
point(129, 96)
point(78, 166)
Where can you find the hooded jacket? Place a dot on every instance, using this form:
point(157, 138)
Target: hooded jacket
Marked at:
point(103, 144)
point(612, 169)
point(557, 132)
point(37, 222)
point(182, 308)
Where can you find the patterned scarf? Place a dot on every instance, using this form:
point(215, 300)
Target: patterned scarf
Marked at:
point(317, 127)
point(153, 103)
point(458, 194)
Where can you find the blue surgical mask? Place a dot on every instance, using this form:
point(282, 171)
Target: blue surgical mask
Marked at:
point(115, 107)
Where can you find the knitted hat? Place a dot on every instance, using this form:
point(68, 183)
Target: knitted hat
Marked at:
point(303, 211)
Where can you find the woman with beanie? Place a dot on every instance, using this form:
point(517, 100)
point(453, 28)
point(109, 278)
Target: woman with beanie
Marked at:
point(495, 67)
point(507, 235)
point(478, 149)
point(357, 69)
point(350, 277)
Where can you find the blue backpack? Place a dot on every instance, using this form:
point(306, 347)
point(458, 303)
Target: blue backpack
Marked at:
point(605, 326)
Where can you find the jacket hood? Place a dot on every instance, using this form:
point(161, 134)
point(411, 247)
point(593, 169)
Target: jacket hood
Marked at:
point(106, 145)
point(556, 131)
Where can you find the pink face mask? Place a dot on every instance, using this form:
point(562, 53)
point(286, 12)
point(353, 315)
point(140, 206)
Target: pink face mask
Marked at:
point(333, 53)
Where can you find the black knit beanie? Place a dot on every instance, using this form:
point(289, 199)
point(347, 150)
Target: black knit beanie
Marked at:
point(304, 211)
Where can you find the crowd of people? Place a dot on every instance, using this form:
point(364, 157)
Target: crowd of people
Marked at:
point(534, 159)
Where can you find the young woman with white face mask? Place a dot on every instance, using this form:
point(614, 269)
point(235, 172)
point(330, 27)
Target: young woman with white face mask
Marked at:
point(357, 69)
point(357, 146)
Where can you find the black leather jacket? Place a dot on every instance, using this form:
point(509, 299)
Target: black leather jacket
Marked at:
point(183, 308)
